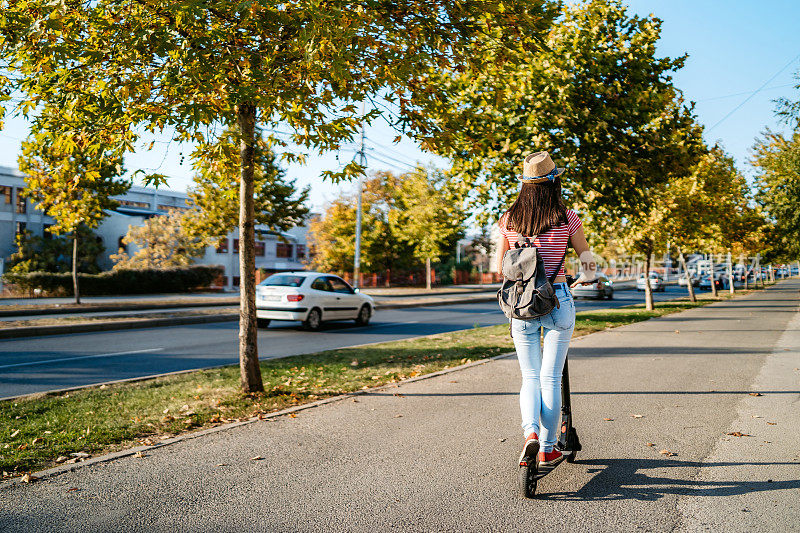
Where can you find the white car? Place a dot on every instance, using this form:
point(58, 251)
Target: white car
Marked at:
point(310, 297)
point(656, 282)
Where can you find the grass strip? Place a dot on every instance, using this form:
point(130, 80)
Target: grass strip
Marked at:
point(42, 430)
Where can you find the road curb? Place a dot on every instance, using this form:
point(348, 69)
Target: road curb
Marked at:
point(62, 469)
point(71, 310)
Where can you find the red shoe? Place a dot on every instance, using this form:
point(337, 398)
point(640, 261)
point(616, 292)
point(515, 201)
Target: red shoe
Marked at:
point(550, 458)
point(529, 449)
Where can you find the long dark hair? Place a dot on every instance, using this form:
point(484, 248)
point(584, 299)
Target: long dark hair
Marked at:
point(538, 208)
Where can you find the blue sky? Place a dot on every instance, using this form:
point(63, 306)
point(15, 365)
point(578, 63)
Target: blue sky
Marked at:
point(734, 47)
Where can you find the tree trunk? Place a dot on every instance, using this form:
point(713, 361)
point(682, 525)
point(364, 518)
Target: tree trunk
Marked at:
point(713, 276)
point(250, 371)
point(689, 286)
point(75, 285)
point(648, 291)
point(731, 288)
point(428, 273)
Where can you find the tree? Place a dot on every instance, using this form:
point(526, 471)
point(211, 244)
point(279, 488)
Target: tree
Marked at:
point(331, 235)
point(69, 181)
point(710, 209)
point(707, 208)
point(598, 98)
point(192, 65)
point(778, 191)
point(427, 215)
point(161, 242)
point(215, 194)
point(51, 253)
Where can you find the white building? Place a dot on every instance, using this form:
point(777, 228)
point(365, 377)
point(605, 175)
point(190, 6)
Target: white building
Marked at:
point(274, 251)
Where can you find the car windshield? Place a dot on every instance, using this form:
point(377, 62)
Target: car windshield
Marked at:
point(283, 280)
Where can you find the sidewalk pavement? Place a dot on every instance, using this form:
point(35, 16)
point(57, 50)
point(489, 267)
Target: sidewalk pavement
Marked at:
point(439, 454)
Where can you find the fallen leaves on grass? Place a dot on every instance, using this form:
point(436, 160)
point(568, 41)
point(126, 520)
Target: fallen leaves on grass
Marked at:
point(15, 433)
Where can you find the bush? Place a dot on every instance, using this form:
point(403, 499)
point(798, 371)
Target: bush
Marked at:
point(116, 281)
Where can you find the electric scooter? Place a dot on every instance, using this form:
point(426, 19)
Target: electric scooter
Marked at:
point(530, 472)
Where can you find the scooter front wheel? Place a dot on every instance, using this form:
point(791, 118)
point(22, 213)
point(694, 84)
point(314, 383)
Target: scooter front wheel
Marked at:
point(527, 478)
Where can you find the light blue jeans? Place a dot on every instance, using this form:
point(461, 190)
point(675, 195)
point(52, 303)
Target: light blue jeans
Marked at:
point(542, 364)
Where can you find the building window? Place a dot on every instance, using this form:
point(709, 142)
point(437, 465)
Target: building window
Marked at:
point(165, 207)
point(301, 251)
point(22, 204)
point(222, 247)
point(236, 246)
point(20, 228)
point(283, 250)
point(236, 280)
point(5, 190)
point(131, 203)
point(260, 249)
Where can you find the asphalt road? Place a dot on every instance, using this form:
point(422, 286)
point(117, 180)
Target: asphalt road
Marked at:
point(439, 454)
point(38, 364)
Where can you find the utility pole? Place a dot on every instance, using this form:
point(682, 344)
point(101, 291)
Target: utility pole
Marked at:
point(363, 162)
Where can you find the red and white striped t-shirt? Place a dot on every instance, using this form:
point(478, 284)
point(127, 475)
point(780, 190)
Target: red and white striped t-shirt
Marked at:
point(552, 244)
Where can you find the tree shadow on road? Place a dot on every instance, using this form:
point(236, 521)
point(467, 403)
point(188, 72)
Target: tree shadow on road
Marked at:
point(650, 480)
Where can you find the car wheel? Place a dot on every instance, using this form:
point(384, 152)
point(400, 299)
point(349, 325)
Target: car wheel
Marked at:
point(314, 320)
point(364, 315)
point(263, 322)
point(610, 295)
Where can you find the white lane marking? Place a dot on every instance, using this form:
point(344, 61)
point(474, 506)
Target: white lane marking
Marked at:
point(62, 359)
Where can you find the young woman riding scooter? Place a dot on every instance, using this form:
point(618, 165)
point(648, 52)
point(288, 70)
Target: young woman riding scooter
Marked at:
point(539, 214)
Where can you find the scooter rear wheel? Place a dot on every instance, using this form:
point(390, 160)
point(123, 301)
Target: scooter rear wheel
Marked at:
point(527, 478)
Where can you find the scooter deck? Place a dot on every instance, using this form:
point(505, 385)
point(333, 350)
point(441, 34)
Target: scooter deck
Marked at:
point(546, 469)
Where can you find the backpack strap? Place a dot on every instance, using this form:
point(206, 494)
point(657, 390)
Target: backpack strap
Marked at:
point(552, 278)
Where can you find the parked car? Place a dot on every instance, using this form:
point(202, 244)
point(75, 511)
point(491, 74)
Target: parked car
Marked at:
point(312, 298)
point(599, 289)
point(656, 282)
point(683, 281)
point(705, 281)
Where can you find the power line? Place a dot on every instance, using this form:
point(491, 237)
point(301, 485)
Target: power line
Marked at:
point(745, 92)
point(390, 158)
point(395, 165)
point(732, 111)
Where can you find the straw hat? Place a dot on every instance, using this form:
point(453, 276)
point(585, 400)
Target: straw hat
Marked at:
point(539, 168)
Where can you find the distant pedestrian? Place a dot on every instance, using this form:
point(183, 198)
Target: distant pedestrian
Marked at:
point(539, 215)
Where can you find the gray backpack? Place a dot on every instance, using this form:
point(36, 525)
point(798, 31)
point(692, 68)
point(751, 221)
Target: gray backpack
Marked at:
point(527, 292)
